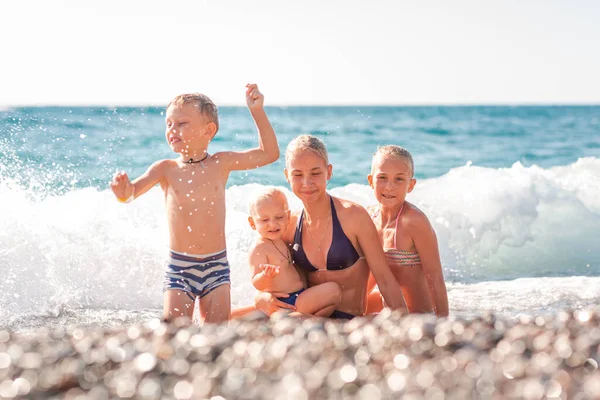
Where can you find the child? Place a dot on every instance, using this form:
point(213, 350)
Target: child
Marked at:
point(194, 192)
point(271, 260)
point(408, 239)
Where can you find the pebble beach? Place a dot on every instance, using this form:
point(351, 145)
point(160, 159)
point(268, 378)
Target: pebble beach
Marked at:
point(387, 356)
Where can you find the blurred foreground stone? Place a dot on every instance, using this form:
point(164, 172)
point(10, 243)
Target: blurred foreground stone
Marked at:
point(385, 357)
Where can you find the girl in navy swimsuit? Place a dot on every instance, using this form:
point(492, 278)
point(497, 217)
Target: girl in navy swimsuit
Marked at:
point(341, 254)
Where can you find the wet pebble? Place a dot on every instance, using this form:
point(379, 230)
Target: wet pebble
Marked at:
point(383, 357)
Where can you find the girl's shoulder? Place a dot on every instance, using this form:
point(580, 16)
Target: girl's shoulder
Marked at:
point(414, 217)
point(353, 217)
point(410, 209)
point(348, 208)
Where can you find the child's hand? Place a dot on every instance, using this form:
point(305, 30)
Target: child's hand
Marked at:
point(269, 270)
point(121, 186)
point(254, 98)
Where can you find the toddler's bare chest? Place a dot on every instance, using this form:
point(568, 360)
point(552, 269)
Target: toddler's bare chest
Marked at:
point(278, 259)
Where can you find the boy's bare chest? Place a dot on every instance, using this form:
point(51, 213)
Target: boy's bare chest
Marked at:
point(195, 183)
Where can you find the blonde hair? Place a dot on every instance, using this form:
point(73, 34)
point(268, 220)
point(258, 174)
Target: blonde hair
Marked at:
point(205, 105)
point(269, 193)
point(394, 151)
point(306, 142)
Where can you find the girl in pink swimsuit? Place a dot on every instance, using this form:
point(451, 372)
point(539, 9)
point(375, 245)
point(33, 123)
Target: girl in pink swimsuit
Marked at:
point(408, 239)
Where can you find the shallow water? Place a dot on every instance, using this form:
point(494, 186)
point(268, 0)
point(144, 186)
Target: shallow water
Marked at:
point(513, 193)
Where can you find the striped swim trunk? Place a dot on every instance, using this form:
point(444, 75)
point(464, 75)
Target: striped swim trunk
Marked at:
point(196, 275)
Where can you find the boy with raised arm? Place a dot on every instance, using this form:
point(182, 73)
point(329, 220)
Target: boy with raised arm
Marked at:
point(194, 187)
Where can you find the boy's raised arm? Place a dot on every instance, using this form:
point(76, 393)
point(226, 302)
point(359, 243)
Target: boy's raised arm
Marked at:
point(267, 151)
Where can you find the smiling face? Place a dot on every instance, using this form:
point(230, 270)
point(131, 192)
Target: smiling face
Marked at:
point(391, 179)
point(269, 216)
point(187, 130)
point(307, 173)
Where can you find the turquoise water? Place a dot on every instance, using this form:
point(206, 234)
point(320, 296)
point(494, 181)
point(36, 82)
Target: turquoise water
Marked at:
point(512, 192)
point(86, 145)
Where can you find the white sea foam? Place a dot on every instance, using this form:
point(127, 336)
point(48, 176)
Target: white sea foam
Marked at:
point(498, 229)
point(524, 296)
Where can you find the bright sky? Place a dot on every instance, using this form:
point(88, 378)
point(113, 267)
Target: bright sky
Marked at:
point(115, 52)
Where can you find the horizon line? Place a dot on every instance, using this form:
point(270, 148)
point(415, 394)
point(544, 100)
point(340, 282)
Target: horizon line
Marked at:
point(333, 105)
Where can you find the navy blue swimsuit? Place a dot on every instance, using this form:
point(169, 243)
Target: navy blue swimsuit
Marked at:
point(341, 254)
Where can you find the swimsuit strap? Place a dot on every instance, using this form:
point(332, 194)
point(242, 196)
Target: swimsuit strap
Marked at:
point(396, 228)
point(299, 227)
point(334, 216)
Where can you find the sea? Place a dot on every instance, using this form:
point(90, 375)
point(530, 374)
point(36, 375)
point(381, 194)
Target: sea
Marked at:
point(513, 193)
